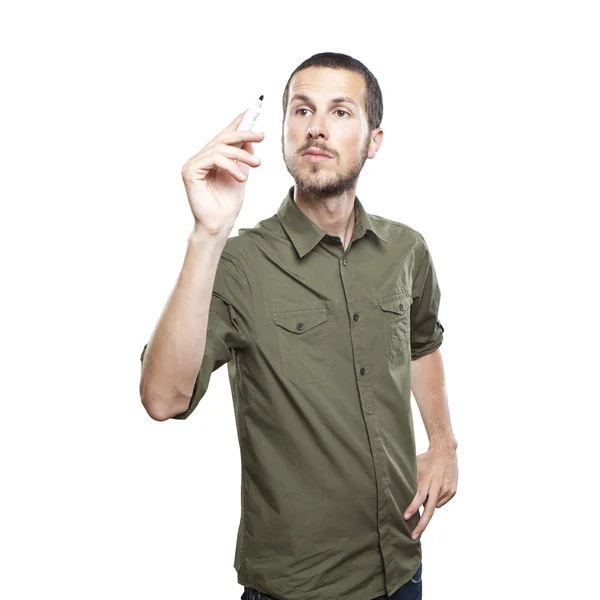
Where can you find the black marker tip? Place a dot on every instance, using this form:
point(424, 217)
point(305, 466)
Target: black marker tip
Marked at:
point(260, 97)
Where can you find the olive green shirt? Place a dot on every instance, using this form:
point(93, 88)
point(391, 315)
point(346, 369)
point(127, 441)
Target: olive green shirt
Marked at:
point(318, 343)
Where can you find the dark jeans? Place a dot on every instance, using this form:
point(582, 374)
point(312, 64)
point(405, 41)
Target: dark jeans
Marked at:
point(412, 590)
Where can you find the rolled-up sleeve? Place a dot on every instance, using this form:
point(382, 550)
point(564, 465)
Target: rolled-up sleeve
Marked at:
point(426, 331)
point(230, 325)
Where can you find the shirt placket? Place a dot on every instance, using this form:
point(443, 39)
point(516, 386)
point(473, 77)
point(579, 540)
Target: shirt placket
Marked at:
point(355, 305)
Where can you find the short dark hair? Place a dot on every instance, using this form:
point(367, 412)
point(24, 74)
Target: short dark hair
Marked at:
point(335, 60)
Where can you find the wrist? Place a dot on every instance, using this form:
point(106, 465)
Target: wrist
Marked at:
point(200, 235)
point(443, 441)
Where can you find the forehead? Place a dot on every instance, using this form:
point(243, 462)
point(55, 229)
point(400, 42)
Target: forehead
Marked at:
point(324, 84)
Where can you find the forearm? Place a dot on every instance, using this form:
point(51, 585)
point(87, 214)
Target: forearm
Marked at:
point(175, 350)
point(429, 388)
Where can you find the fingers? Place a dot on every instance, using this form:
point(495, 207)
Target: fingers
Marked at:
point(414, 505)
point(229, 146)
point(443, 500)
point(235, 123)
point(237, 153)
point(235, 137)
point(230, 135)
point(239, 138)
point(226, 163)
point(446, 494)
point(224, 156)
point(430, 503)
point(232, 129)
point(249, 147)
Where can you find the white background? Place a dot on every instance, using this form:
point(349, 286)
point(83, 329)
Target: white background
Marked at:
point(491, 150)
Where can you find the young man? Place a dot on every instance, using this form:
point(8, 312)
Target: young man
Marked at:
point(326, 316)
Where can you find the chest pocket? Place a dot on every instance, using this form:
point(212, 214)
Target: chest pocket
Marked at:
point(302, 338)
point(395, 320)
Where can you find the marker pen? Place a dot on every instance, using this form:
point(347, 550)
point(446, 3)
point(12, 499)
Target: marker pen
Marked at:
point(250, 116)
point(249, 119)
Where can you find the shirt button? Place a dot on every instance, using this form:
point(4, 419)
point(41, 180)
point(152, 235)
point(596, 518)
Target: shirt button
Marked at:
point(362, 370)
point(355, 317)
point(345, 262)
point(401, 307)
point(300, 326)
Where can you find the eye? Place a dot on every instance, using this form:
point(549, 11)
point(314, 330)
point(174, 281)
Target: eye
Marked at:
point(337, 111)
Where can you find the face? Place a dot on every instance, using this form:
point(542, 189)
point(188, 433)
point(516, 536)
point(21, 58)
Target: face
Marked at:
point(321, 119)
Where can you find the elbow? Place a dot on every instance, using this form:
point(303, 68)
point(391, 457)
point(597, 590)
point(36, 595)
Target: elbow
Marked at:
point(162, 410)
point(152, 401)
point(161, 405)
point(154, 409)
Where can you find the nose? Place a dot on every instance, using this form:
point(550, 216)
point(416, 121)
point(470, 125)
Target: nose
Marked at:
point(315, 129)
point(312, 133)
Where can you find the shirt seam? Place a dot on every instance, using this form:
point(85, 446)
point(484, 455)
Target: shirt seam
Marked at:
point(423, 261)
point(392, 222)
point(238, 263)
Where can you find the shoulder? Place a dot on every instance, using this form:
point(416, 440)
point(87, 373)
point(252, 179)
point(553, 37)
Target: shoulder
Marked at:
point(404, 240)
point(241, 250)
point(396, 230)
point(251, 238)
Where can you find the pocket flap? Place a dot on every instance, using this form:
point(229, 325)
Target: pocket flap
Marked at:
point(299, 322)
point(398, 303)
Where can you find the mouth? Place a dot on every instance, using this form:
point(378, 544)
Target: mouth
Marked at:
point(316, 156)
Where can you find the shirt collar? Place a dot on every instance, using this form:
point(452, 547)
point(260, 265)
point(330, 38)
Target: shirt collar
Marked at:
point(305, 234)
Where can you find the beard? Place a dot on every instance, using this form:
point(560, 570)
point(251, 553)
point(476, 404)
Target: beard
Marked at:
point(323, 181)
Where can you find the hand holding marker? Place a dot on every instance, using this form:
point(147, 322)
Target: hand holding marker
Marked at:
point(214, 179)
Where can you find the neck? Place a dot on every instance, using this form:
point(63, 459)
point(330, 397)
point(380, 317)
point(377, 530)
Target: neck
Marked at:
point(333, 214)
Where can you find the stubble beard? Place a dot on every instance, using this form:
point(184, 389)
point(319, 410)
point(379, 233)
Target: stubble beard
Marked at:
point(315, 181)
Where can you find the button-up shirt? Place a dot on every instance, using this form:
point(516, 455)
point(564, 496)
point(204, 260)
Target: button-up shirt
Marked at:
point(319, 340)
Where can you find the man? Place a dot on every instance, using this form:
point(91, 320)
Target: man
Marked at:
point(326, 315)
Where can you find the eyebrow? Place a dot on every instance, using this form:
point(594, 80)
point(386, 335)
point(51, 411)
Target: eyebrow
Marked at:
point(306, 99)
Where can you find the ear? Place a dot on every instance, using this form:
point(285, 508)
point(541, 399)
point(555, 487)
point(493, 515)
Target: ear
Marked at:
point(375, 143)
